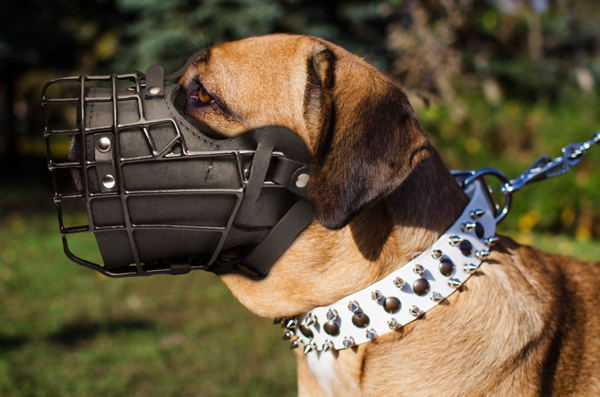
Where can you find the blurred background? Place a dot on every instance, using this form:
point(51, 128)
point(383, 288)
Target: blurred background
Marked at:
point(496, 83)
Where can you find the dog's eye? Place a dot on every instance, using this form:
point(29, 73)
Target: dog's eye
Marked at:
point(203, 97)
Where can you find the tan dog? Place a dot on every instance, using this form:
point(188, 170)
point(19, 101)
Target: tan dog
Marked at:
point(528, 323)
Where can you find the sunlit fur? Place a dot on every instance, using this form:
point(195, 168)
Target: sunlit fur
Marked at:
point(526, 324)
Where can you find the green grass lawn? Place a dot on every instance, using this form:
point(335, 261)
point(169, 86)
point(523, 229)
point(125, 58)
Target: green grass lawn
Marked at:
point(66, 331)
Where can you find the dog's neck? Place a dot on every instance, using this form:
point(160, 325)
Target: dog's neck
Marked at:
point(323, 265)
point(422, 208)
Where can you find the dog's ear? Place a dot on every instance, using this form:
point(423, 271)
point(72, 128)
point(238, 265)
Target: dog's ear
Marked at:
point(365, 135)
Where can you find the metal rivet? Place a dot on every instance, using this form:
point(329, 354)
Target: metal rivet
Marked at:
point(446, 266)
point(360, 320)
point(331, 328)
point(454, 282)
point(392, 305)
point(353, 306)
point(348, 342)
point(154, 90)
point(295, 343)
point(332, 314)
point(371, 334)
point(479, 230)
point(291, 324)
point(104, 144)
point(327, 346)
point(477, 214)
point(302, 180)
point(421, 287)
point(376, 295)
point(454, 240)
point(418, 269)
point(288, 335)
point(491, 241)
point(470, 268)
point(437, 254)
point(415, 311)
point(108, 181)
point(481, 255)
point(398, 282)
point(306, 331)
point(393, 323)
point(465, 247)
point(436, 297)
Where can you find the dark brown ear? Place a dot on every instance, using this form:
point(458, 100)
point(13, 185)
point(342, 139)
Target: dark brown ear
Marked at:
point(366, 136)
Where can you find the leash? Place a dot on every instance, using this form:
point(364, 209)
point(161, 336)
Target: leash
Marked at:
point(543, 168)
point(421, 284)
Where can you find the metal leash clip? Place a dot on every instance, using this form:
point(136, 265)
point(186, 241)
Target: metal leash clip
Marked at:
point(546, 167)
point(543, 168)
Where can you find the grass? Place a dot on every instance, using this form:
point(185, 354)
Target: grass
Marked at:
point(67, 331)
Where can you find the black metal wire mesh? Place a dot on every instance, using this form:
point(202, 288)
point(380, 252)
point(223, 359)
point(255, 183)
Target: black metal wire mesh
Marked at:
point(82, 165)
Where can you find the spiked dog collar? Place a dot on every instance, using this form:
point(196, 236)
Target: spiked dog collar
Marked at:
point(407, 293)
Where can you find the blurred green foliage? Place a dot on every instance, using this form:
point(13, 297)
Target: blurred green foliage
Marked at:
point(495, 83)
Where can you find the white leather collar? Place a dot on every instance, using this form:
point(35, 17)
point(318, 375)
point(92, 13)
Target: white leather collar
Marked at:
point(407, 293)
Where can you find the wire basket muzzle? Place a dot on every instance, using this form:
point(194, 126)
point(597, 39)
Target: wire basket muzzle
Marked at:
point(160, 195)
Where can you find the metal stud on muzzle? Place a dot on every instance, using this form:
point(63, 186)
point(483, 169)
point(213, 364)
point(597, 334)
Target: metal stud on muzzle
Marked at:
point(163, 193)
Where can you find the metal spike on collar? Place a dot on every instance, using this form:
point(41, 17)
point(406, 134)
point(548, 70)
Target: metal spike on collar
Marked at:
point(454, 282)
point(348, 342)
point(288, 335)
point(477, 214)
point(310, 347)
point(399, 282)
point(482, 255)
point(437, 254)
point(295, 343)
point(371, 334)
point(490, 241)
point(353, 306)
point(418, 269)
point(327, 346)
point(393, 324)
point(436, 297)
point(470, 268)
point(291, 324)
point(310, 320)
point(415, 311)
point(467, 226)
point(278, 320)
point(454, 240)
point(376, 295)
point(332, 314)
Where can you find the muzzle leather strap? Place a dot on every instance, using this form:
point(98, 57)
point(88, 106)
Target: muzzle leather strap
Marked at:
point(260, 166)
point(281, 237)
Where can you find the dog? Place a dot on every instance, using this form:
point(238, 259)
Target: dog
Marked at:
point(526, 324)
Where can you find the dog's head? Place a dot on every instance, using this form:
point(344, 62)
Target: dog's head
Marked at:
point(364, 139)
point(361, 130)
